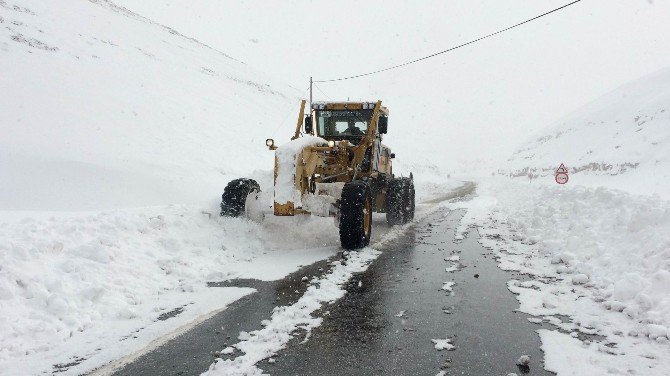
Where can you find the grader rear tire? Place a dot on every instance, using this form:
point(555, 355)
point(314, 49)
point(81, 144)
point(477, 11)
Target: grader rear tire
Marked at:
point(355, 215)
point(235, 195)
point(394, 202)
point(400, 201)
point(410, 204)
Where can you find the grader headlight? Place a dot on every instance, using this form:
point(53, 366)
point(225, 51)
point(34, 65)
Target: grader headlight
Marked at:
point(331, 144)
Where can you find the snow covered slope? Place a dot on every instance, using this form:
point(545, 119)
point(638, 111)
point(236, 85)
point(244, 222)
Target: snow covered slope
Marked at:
point(103, 108)
point(621, 140)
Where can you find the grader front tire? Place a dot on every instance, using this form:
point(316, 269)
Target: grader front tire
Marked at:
point(355, 215)
point(235, 196)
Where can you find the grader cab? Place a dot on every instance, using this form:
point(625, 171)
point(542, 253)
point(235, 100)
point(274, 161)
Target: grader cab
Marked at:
point(334, 166)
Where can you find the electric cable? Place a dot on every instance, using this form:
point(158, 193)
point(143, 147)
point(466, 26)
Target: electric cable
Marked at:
point(288, 114)
point(452, 48)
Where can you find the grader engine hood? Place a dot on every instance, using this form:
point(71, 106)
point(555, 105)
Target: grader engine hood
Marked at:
point(294, 163)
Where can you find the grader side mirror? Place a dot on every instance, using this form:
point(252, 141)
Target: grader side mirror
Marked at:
point(308, 124)
point(392, 155)
point(383, 125)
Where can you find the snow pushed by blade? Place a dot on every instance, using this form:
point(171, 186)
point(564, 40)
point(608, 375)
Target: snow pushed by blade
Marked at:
point(287, 160)
point(262, 344)
point(98, 286)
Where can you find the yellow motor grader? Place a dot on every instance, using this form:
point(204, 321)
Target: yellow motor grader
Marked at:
point(338, 168)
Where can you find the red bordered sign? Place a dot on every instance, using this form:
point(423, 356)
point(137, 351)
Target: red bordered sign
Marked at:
point(561, 174)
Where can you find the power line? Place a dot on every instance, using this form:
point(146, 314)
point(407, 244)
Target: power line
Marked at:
point(288, 114)
point(452, 48)
point(326, 95)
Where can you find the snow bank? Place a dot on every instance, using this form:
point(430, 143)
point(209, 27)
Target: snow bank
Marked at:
point(621, 140)
point(616, 242)
point(72, 284)
point(620, 243)
point(287, 159)
point(599, 257)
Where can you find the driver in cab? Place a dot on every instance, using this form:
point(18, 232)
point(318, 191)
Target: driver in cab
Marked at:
point(352, 130)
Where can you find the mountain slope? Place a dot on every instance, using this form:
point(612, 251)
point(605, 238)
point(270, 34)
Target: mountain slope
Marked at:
point(621, 140)
point(103, 108)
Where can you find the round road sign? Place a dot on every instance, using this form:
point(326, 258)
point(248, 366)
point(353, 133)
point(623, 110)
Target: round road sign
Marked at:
point(561, 178)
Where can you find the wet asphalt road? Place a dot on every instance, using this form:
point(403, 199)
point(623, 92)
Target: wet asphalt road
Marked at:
point(362, 335)
point(193, 352)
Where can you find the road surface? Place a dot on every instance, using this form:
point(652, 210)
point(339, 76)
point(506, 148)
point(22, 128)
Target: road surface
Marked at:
point(386, 322)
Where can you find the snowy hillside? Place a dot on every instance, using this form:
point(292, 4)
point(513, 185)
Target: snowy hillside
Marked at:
point(120, 127)
point(603, 235)
point(118, 137)
point(103, 108)
point(621, 140)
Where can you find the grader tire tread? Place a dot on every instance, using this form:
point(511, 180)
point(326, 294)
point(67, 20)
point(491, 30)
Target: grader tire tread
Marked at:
point(353, 234)
point(235, 195)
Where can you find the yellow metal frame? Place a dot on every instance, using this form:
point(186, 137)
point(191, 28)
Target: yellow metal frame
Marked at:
point(312, 160)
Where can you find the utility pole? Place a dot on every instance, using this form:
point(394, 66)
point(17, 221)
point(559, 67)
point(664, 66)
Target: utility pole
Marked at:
point(310, 93)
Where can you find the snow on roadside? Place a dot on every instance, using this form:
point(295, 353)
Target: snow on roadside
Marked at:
point(90, 286)
point(70, 280)
point(579, 358)
point(600, 257)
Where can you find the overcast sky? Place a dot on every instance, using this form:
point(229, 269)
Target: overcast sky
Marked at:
point(478, 101)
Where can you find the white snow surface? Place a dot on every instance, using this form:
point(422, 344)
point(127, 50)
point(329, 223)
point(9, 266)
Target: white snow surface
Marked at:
point(69, 281)
point(443, 344)
point(523, 360)
point(598, 256)
point(621, 140)
point(105, 109)
point(287, 159)
point(448, 286)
